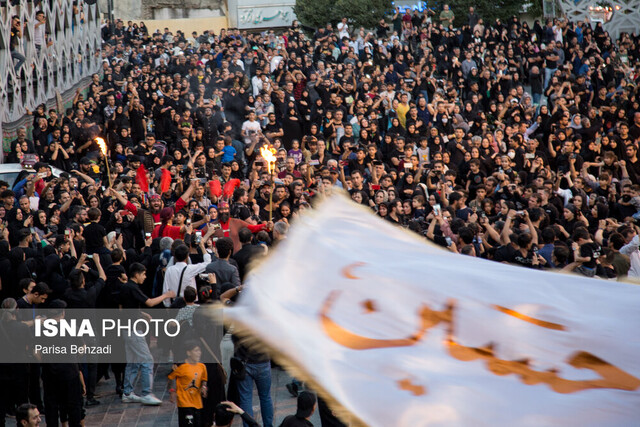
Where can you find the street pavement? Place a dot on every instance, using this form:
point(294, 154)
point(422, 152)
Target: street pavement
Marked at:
point(113, 413)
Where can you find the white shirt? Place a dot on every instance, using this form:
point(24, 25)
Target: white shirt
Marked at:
point(173, 273)
point(631, 250)
point(343, 30)
point(247, 128)
point(34, 203)
point(38, 34)
point(256, 83)
point(558, 33)
point(274, 62)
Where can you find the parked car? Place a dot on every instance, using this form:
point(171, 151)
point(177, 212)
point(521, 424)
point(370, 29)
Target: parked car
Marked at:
point(14, 172)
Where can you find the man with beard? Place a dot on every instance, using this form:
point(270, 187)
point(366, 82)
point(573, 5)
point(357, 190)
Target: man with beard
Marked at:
point(156, 204)
point(229, 227)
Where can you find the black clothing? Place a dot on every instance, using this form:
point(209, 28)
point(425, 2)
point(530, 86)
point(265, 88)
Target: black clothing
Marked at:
point(293, 421)
point(131, 296)
point(245, 256)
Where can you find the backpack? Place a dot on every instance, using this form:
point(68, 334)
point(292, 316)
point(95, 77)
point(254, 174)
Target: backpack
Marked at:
point(158, 278)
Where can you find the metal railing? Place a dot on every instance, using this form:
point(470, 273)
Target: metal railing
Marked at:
point(69, 53)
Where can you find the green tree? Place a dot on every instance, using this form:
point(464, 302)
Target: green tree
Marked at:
point(315, 13)
point(360, 13)
point(363, 13)
point(488, 10)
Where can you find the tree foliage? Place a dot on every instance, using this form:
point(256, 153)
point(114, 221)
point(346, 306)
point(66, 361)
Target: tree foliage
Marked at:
point(360, 13)
point(364, 13)
point(315, 13)
point(488, 10)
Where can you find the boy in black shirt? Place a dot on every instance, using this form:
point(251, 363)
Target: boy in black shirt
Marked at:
point(95, 235)
point(141, 360)
point(475, 178)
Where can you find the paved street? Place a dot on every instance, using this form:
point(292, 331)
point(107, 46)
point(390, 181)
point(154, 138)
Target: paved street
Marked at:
point(112, 412)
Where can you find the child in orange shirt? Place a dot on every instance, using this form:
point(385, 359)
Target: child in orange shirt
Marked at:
point(190, 386)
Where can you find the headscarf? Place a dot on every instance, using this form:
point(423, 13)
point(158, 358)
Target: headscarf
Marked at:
point(573, 125)
point(460, 123)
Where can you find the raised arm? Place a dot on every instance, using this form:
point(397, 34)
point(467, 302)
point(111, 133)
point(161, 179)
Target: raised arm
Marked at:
point(532, 229)
point(84, 176)
point(506, 230)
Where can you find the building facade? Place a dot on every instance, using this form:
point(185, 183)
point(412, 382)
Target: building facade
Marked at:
point(58, 54)
point(616, 16)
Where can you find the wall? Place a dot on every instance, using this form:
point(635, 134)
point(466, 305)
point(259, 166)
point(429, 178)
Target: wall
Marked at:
point(129, 8)
point(137, 10)
point(255, 14)
point(171, 13)
point(186, 25)
point(10, 133)
point(625, 18)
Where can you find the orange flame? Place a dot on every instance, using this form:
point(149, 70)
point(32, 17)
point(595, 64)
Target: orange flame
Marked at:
point(269, 154)
point(102, 145)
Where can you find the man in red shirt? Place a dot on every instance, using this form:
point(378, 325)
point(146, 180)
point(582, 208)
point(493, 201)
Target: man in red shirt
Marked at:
point(290, 167)
point(156, 203)
point(229, 227)
point(155, 206)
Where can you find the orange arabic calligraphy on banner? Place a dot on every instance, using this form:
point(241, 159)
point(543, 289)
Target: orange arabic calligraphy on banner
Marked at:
point(610, 376)
point(408, 385)
point(538, 322)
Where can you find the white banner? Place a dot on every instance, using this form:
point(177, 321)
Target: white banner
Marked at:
point(401, 333)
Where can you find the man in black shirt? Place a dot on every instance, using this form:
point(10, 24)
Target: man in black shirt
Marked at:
point(176, 102)
point(306, 408)
point(62, 383)
point(36, 296)
point(633, 163)
point(273, 129)
point(225, 411)
point(634, 131)
point(13, 376)
point(248, 253)
point(209, 124)
point(551, 59)
point(137, 349)
point(95, 234)
point(16, 35)
point(382, 28)
point(132, 296)
point(585, 251)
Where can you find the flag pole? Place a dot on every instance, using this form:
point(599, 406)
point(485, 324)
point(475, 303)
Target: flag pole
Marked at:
point(269, 154)
point(272, 166)
point(106, 162)
point(103, 148)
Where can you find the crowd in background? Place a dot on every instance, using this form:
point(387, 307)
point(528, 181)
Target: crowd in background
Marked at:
point(499, 140)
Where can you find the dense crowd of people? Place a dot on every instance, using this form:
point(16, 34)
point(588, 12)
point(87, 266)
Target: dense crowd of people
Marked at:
point(499, 140)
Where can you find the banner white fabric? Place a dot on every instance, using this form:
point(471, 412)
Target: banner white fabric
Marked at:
point(402, 333)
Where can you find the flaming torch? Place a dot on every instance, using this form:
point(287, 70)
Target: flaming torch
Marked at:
point(269, 155)
point(103, 148)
